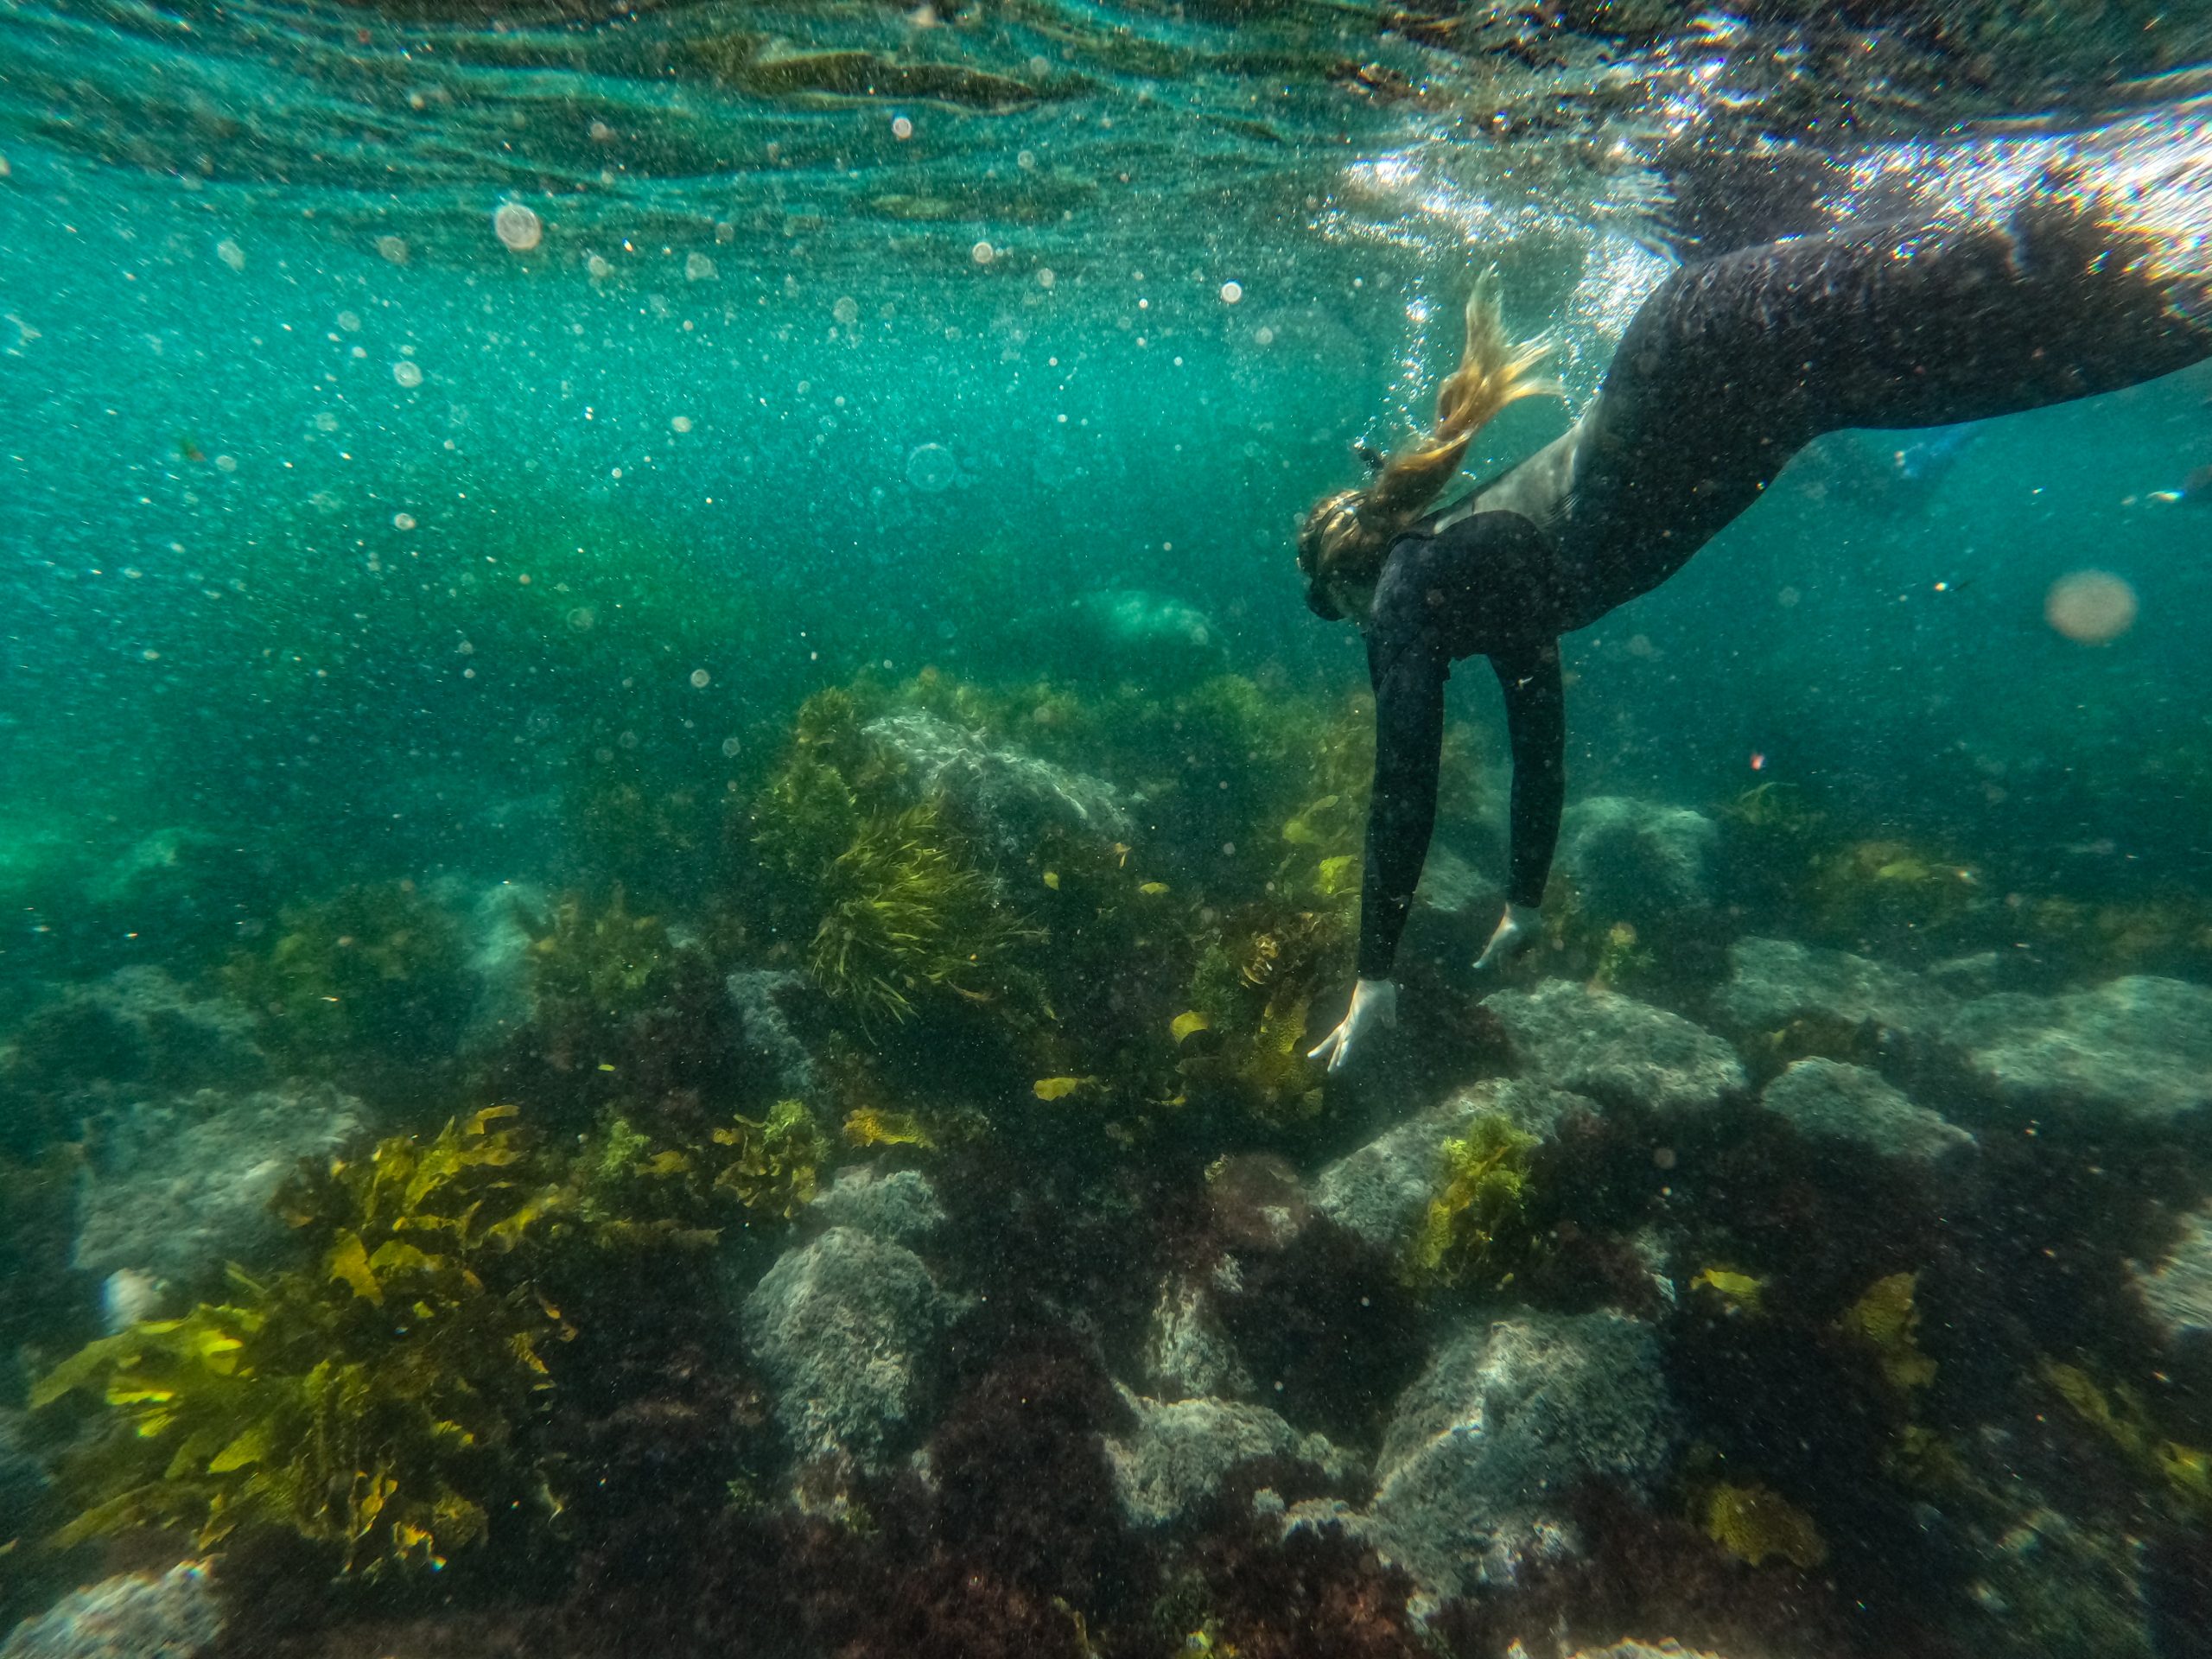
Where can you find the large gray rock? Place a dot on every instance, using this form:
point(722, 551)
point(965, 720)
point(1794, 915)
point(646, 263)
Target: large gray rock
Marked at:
point(2137, 1049)
point(2178, 1290)
point(1187, 1354)
point(1853, 1103)
point(1180, 1452)
point(846, 1329)
point(1381, 1190)
point(181, 1187)
point(505, 922)
point(1008, 795)
point(1637, 860)
point(759, 995)
point(1778, 981)
point(1486, 1445)
point(1612, 1047)
point(900, 1207)
point(135, 1616)
point(136, 1028)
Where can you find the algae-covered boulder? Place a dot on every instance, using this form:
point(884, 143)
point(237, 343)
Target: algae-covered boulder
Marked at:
point(179, 1188)
point(1008, 796)
point(1853, 1103)
point(1187, 1353)
point(1637, 860)
point(900, 1207)
point(1175, 1457)
point(133, 1616)
point(759, 996)
point(2138, 1049)
point(1485, 1447)
point(1777, 982)
point(1614, 1048)
point(846, 1329)
point(1380, 1191)
point(2177, 1289)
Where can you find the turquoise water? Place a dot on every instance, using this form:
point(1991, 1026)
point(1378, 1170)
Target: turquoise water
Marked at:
point(441, 449)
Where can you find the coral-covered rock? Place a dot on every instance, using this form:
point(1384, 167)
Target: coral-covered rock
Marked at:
point(846, 1328)
point(1007, 795)
point(1175, 1459)
point(900, 1207)
point(1486, 1445)
point(1668, 1649)
point(134, 1616)
point(1776, 982)
point(1380, 1191)
point(1614, 1048)
point(1187, 1354)
point(1853, 1103)
point(2178, 1289)
point(1637, 860)
point(2138, 1048)
point(180, 1187)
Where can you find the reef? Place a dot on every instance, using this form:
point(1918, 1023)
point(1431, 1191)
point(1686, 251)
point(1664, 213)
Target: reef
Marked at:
point(863, 1192)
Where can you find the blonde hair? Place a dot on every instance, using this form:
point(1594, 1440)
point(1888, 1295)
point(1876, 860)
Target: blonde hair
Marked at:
point(1346, 534)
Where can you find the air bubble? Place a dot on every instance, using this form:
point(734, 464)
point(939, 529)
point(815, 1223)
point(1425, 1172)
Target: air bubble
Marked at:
point(847, 310)
point(402, 521)
point(699, 268)
point(932, 469)
point(2090, 607)
point(518, 226)
point(901, 127)
point(393, 248)
point(408, 374)
point(701, 679)
point(231, 254)
point(983, 253)
point(679, 424)
point(1231, 292)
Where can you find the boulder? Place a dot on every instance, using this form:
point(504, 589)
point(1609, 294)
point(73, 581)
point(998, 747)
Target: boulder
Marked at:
point(133, 1616)
point(1853, 1103)
point(1777, 982)
point(1186, 1354)
point(1614, 1048)
point(846, 1329)
point(2137, 1050)
point(2178, 1290)
point(1175, 1457)
point(179, 1188)
point(1381, 1190)
point(1008, 796)
point(1638, 861)
point(504, 921)
point(899, 1207)
point(22, 1478)
point(1485, 1447)
point(758, 996)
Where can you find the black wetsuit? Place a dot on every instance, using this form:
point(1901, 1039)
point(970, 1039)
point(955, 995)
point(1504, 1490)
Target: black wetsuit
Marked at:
point(1729, 368)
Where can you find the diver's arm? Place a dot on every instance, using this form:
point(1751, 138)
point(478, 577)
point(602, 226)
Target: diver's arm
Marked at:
point(1400, 812)
point(1535, 721)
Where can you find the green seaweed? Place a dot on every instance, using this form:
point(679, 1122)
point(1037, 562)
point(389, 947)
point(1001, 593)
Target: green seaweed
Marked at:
point(374, 967)
point(377, 1400)
point(1470, 1233)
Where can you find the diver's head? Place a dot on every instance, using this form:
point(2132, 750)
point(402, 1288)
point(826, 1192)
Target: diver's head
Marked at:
point(1336, 549)
point(1346, 536)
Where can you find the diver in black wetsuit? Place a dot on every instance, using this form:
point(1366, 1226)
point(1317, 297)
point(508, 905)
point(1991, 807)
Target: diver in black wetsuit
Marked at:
point(1729, 368)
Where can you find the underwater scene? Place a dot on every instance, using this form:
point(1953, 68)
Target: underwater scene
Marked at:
point(701, 953)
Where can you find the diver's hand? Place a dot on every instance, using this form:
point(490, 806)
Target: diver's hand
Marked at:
point(1520, 924)
point(1373, 1001)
